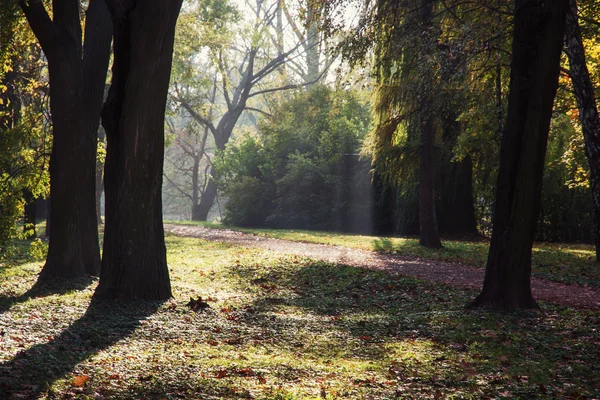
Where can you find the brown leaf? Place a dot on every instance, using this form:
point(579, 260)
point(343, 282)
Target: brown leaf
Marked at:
point(212, 342)
point(261, 379)
point(222, 374)
point(79, 380)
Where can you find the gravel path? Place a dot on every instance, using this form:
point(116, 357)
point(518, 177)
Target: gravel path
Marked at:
point(458, 275)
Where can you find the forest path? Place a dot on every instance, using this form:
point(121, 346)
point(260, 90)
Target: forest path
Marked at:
point(454, 274)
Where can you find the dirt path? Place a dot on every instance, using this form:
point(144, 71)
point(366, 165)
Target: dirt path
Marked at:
point(457, 275)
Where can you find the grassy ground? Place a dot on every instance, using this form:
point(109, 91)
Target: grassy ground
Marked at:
point(561, 262)
point(284, 327)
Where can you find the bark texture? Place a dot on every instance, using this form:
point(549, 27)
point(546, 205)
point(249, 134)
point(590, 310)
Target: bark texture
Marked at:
point(134, 263)
point(588, 111)
point(537, 42)
point(77, 73)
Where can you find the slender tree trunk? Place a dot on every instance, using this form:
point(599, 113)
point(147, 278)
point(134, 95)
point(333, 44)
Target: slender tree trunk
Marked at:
point(588, 111)
point(75, 71)
point(134, 263)
point(200, 212)
point(29, 215)
point(429, 235)
point(221, 135)
point(537, 42)
point(100, 180)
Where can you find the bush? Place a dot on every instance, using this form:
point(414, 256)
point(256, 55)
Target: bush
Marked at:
point(293, 175)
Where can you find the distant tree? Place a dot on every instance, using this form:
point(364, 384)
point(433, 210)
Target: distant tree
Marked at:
point(588, 111)
point(77, 71)
point(537, 42)
point(134, 263)
point(244, 69)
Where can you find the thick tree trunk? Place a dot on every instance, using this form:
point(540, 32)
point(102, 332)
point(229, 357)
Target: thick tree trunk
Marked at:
point(134, 263)
point(537, 42)
point(588, 111)
point(429, 235)
point(75, 72)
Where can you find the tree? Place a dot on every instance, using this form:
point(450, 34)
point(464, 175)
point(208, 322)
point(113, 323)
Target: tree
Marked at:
point(243, 71)
point(134, 263)
point(77, 71)
point(588, 111)
point(300, 170)
point(536, 48)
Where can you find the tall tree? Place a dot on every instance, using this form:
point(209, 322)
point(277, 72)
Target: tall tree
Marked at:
point(244, 70)
point(77, 72)
point(134, 262)
point(588, 111)
point(536, 48)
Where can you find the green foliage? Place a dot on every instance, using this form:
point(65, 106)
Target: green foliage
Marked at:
point(24, 138)
point(566, 199)
point(38, 250)
point(292, 172)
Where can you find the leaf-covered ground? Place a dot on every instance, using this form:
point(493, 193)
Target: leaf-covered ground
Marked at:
point(285, 327)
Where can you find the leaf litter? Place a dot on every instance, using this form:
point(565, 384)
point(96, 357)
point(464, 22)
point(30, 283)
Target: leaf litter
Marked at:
point(288, 327)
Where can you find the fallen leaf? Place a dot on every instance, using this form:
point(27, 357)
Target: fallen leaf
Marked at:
point(212, 342)
point(79, 381)
point(221, 374)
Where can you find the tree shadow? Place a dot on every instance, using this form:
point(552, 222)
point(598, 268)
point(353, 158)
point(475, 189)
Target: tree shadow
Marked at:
point(44, 288)
point(31, 372)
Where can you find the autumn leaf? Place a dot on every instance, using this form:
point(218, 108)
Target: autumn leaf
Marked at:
point(212, 342)
point(79, 381)
point(222, 374)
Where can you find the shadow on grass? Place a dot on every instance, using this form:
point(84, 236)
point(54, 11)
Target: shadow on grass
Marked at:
point(32, 371)
point(44, 288)
point(358, 301)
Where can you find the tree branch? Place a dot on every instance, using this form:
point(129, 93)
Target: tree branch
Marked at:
point(41, 25)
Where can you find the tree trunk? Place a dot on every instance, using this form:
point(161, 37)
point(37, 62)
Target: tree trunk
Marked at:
point(588, 111)
point(455, 184)
point(100, 180)
point(29, 215)
point(200, 211)
point(75, 73)
point(429, 235)
point(134, 263)
point(537, 41)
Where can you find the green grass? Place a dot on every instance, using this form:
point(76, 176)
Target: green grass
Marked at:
point(285, 327)
point(561, 262)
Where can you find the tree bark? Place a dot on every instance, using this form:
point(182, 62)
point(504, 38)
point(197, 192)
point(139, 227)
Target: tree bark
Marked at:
point(76, 70)
point(537, 41)
point(29, 215)
point(134, 263)
point(429, 235)
point(588, 111)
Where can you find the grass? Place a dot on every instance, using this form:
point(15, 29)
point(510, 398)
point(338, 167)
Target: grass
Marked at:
point(285, 328)
point(561, 262)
